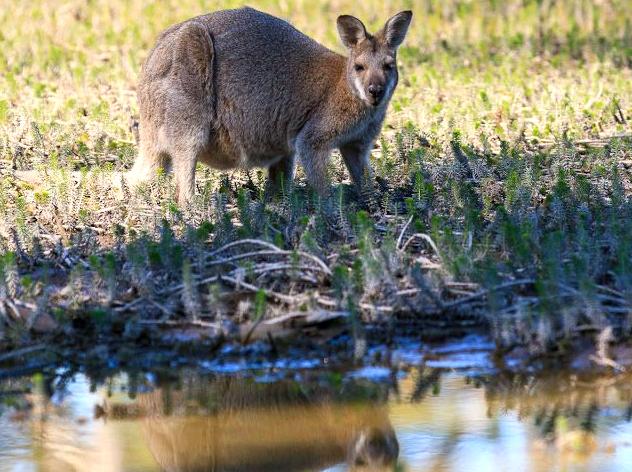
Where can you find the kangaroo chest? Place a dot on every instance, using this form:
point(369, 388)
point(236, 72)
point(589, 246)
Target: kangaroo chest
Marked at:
point(364, 131)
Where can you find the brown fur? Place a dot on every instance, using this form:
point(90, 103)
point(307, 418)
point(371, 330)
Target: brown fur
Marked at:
point(264, 427)
point(240, 89)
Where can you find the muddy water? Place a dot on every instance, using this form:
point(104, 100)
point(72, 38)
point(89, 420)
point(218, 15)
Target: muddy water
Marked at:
point(423, 419)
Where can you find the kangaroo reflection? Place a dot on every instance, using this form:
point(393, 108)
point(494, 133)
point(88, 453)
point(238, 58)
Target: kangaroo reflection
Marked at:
point(239, 425)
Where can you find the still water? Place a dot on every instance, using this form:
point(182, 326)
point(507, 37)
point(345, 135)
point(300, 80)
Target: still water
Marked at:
point(424, 419)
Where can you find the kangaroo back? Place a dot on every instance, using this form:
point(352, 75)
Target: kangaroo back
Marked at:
point(184, 55)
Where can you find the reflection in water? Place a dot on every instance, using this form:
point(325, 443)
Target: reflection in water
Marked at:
point(234, 424)
point(429, 421)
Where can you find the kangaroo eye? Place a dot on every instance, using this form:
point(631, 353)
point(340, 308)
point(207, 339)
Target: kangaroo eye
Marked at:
point(358, 67)
point(388, 66)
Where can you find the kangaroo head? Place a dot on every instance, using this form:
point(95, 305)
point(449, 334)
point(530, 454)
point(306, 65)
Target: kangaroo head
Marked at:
point(372, 66)
point(373, 449)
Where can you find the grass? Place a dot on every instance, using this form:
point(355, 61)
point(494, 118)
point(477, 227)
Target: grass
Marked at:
point(503, 164)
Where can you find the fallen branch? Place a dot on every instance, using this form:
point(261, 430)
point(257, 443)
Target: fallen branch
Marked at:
point(22, 352)
point(423, 237)
point(241, 242)
point(287, 299)
point(484, 293)
point(278, 252)
point(401, 234)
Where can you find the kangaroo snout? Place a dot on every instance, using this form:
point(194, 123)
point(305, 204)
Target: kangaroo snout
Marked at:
point(376, 92)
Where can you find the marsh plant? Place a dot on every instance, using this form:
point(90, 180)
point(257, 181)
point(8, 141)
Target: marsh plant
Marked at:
point(502, 195)
point(532, 242)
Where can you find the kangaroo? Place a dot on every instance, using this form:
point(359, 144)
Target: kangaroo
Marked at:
point(242, 89)
point(264, 428)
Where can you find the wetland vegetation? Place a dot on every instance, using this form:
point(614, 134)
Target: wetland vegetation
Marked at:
point(504, 202)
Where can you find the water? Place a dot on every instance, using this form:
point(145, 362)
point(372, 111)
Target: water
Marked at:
point(420, 419)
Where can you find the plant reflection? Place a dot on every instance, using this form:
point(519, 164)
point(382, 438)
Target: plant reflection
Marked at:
point(427, 420)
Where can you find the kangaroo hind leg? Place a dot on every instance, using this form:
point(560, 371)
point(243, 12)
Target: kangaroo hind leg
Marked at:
point(194, 56)
point(190, 111)
point(280, 176)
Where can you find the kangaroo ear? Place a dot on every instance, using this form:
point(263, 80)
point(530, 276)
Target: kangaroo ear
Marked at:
point(396, 28)
point(351, 30)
